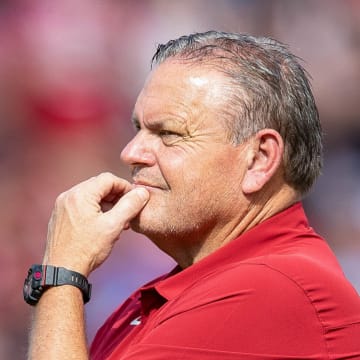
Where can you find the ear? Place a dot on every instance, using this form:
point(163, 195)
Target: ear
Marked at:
point(264, 158)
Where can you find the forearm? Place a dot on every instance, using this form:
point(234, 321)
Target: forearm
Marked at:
point(82, 232)
point(58, 330)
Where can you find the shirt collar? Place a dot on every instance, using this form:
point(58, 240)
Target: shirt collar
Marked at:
point(267, 237)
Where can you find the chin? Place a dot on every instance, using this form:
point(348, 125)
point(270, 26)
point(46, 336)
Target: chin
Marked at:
point(142, 222)
point(146, 218)
point(149, 226)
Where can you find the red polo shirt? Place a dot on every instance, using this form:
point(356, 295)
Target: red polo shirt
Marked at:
point(275, 292)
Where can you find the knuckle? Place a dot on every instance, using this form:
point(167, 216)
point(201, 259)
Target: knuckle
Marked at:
point(106, 175)
point(71, 196)
point(65, 198)
point(60, 199)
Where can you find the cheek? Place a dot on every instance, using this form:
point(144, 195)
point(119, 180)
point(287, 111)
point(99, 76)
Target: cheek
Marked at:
point(184, 174)
point(196, 173)
point(173, 168)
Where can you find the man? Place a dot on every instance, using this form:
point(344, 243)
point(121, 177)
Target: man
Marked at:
point(228, 142)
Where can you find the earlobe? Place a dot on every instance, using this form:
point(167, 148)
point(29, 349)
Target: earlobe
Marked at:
point(263, 160)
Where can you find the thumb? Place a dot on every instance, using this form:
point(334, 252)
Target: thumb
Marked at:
point(130, 205)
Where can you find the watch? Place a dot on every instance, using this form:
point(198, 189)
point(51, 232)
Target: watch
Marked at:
point(42, 277)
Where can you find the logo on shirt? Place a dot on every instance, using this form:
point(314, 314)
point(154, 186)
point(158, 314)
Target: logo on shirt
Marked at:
point(136, 321)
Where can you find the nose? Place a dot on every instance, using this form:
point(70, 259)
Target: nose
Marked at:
point(138, 151)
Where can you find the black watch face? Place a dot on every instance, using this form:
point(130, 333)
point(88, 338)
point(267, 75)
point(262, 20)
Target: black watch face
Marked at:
point(32, 289)
point(41, 277)
point(27, 290)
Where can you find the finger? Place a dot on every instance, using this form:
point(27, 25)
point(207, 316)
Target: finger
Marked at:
point(112, 198)
point(111, 186)
point(103, 185)
point(129, 205)
point(115, 194)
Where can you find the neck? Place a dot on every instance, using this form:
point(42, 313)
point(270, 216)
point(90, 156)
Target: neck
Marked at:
point(258, 209)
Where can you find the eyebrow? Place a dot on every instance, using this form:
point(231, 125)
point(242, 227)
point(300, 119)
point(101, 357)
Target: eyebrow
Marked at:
point(154, 124)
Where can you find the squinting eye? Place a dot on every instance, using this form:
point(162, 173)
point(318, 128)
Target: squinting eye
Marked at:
point(167, 133)
point(169, 137)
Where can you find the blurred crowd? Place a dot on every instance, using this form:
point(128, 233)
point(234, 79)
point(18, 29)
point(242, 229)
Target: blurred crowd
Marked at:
point(70, 71)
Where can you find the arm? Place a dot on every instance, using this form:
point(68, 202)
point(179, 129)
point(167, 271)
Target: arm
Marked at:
point(85, 224)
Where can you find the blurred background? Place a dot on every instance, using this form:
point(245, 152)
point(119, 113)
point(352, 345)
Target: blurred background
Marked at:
point(70, 72)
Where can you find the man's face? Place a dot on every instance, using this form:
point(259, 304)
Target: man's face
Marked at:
point(182, 155)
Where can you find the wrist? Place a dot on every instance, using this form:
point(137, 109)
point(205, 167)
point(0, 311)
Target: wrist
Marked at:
point(73, 263)
point(42, 277)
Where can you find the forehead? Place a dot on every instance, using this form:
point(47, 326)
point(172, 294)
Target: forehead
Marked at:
point(175, 86)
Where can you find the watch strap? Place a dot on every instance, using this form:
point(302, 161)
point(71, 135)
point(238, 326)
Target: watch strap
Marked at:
point(46, 276)
point(57, 276)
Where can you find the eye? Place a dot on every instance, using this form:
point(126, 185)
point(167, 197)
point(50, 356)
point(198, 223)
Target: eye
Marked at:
point(164, 133)
point(137, 127)
point(136, 123)
point(169, 137)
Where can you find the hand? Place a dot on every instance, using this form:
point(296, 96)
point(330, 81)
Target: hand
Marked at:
point(88, 219)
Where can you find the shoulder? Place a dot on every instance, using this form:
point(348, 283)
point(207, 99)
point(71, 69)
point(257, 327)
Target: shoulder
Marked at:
point(294, 289)
point(266, 310)
point(291, 281)
point(270, 301)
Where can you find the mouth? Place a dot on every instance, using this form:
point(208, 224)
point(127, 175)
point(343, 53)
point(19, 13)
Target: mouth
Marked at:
point(146, 184)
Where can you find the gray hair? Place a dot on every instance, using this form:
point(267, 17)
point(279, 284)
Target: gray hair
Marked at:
point(269, 89)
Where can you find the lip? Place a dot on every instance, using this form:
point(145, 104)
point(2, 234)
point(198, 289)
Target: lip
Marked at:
point(145, 184)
